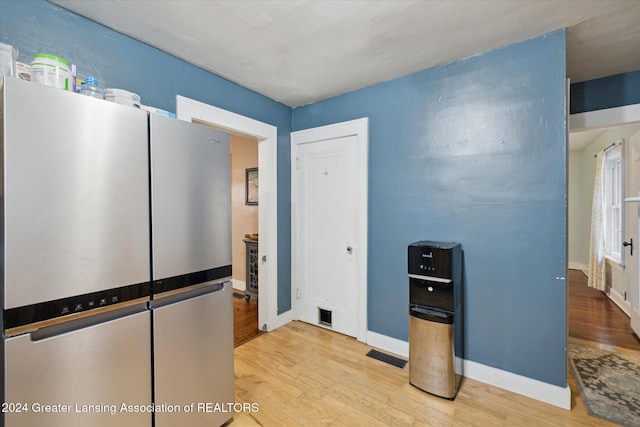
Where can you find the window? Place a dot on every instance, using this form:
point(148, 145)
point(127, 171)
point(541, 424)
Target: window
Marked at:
point(613, 214)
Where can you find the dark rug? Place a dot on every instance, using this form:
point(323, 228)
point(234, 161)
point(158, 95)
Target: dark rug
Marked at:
point(609, 383)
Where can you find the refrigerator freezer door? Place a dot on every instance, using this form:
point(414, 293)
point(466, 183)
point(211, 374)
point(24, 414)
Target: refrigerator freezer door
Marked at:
point(76, 188)
point(89, 373)
point(191, 198)
point(193, 342)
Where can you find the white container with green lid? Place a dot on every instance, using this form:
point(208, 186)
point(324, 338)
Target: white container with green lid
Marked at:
point(51, 70)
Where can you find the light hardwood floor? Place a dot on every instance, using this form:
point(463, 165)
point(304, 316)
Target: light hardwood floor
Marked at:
point(303, 375)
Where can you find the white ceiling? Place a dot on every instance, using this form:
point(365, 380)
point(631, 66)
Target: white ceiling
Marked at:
point(579, 140)
point(299, 52)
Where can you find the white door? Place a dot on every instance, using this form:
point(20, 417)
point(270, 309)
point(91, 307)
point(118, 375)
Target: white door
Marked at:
point(329, 189)
point(633, 226)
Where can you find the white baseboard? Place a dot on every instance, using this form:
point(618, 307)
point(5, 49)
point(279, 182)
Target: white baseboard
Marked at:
point(535, 389)
point(239, 285)
point(620, 301)
point(579, 266)
point(383, 342)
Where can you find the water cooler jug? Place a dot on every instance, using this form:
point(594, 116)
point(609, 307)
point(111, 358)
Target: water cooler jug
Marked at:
point(435, 316)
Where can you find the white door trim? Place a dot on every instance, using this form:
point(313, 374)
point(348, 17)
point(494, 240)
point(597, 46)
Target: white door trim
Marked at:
point(610, 117)
point(192, 110)
point(360, 129)
point(632, 204)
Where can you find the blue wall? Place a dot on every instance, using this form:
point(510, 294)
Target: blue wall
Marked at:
point(473, 152)
point(607, 92)
point(122, 62)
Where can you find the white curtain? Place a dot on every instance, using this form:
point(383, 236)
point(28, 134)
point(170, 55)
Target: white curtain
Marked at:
point(596, 248)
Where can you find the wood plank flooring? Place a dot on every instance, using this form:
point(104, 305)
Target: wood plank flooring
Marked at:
point(303, 375)
point(594, 317)
point(245, 319)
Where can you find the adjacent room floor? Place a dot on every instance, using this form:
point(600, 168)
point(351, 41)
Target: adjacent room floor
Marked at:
point(245, 318)
point(597, 321)
point(304, 375)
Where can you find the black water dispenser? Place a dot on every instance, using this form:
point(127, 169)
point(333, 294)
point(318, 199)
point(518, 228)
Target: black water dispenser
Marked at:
point(435, 316)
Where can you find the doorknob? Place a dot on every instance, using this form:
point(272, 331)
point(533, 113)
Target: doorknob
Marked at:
point(349, 250)
point(629, 243)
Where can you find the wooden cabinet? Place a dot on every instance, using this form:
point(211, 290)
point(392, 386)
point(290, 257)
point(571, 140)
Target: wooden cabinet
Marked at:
point(252, 268)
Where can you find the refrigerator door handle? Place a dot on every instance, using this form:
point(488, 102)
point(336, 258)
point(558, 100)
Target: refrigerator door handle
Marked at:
point(87, 321)
point(188, 294)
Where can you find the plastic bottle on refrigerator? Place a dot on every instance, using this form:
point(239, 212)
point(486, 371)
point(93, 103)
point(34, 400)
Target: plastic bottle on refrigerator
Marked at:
point(91, 87)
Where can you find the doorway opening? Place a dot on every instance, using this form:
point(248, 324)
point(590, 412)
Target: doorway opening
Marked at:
point(244, 236)
point(266, 135)
point(596, 318)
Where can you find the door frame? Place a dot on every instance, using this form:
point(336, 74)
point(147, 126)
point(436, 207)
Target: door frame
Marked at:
point(606, 118)
point(632, 203)
point(360, 129)
point(191, 110)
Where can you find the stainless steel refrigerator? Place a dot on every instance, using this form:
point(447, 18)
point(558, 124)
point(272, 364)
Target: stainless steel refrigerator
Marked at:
point(116, 255)
point(75, 279)
point(191, 261)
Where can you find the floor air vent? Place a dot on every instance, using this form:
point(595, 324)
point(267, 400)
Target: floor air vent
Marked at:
point(386, 358)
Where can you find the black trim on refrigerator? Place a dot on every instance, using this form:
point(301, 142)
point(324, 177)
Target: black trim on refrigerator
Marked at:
point(190, 279)
point(25, 315)
point(88, 321)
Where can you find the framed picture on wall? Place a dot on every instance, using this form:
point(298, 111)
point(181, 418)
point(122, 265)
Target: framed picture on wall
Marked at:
point(251, 186)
